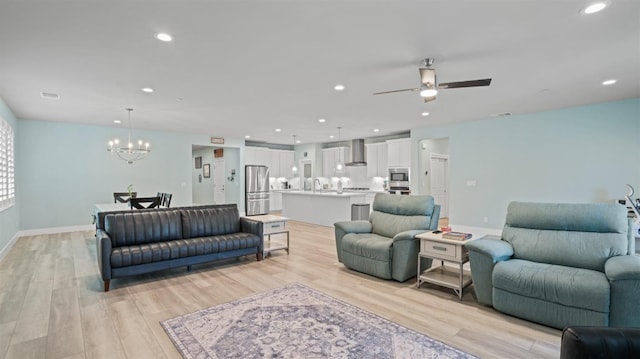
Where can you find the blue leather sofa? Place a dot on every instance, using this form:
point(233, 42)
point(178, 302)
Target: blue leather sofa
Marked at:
point(385, 246)
point(561, 265)
point(143, 241)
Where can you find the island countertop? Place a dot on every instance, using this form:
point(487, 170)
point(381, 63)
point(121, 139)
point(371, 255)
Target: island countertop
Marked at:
point(323, 193)
point(323, 208)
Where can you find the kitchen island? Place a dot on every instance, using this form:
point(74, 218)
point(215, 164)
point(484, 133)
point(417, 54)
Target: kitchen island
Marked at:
point(322, 208)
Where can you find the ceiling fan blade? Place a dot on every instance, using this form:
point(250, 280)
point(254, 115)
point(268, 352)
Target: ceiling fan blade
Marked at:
point(403, 90)
point(459, 84)
point(427, 76)
point(427, 99)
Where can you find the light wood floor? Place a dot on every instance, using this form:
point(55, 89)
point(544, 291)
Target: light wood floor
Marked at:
point(52, 304)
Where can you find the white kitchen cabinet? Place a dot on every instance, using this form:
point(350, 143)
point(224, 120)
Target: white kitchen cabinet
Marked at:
point(257, 156)
point(286, 164)
point(399, 153)
point(275, 201)
point(274, 169)
point(377, 159)
point(331, 156)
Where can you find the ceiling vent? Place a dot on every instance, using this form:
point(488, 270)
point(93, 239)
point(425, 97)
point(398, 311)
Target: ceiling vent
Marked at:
point(50, 95)
point(357, 153)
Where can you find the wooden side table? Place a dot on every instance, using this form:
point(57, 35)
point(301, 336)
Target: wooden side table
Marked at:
point(433, 246)
point(272, 225)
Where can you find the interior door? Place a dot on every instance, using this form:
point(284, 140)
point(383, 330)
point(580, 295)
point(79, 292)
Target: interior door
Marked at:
point(218, 181)
point(440, 182)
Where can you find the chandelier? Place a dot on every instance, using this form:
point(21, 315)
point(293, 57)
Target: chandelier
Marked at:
point(129, 152)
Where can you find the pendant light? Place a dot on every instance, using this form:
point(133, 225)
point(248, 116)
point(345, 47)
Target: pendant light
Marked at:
point(294, 168)
point(340, 163)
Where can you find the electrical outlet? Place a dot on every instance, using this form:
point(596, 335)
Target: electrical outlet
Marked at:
point(472, 183)
point(485, 220)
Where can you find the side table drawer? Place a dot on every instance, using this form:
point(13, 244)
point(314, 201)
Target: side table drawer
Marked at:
point(440, 249)
point(274, 227)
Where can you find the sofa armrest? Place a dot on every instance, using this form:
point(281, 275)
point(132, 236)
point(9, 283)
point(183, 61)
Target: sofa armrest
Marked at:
point(248, 225)
point(584, 342)
point(354, 226)
point(496, 249)
point(623, 273)
point(407, 235)
point(343, 228)
point(484, 253)
point(622, 268)
point(103, 246)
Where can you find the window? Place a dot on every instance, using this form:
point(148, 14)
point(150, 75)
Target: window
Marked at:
point(7, 172)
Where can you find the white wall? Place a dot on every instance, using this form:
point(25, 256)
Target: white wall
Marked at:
point(582, 154)
point(65, 168)
point(202, 188)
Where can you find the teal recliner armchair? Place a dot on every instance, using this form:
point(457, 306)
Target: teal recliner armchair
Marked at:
point(561, 265)
point(385, 246)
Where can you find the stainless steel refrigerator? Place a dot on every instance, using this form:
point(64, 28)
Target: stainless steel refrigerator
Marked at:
point(257, 189)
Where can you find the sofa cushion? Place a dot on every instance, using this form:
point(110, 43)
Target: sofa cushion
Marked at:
point(575, 235)
point(394, 214)
point(210, 221)
point(155, 252)
point(568, 286)
point(134, 227)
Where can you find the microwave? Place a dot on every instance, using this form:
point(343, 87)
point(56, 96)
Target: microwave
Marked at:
point(399, 175)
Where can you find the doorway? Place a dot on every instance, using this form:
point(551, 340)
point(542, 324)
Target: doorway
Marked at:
point(219, 170)
point(434, 172)
point(440, 182)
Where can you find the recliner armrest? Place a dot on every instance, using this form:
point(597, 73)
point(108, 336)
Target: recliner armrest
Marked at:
point(622, 268)
point(248, 225)
point(346, 227)
point(407, 235)
point(496, 249)
point(354, 226)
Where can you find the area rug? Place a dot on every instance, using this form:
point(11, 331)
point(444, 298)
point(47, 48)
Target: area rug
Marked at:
point(296, 321)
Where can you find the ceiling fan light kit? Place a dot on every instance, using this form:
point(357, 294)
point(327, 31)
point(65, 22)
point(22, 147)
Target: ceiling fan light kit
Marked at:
point(429, 86)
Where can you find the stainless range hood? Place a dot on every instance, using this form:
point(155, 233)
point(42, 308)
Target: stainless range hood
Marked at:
point(357, 153)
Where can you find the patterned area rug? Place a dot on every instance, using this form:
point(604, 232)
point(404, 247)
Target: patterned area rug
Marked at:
point(296, 321)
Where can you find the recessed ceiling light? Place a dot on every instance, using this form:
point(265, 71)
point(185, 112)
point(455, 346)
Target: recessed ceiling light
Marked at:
point(338, 87)
point(116, 121)
point(50, 95)
point(162, 36)
point(594, 8)
point(332, 136)
point(247, 136)
point(297, 141)
point(147, 89)
point(425, 114)
point(179, 99)
point(322, 120)
point(376, 130)
point(609, 82)
point(278, 130)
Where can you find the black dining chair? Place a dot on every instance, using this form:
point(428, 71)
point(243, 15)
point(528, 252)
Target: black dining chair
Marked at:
point(144, 202)
point(166, 202)
point(161, 195)
point(123, 197)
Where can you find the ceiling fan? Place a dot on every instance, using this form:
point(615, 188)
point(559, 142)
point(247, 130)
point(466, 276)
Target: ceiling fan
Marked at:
point(429, 87)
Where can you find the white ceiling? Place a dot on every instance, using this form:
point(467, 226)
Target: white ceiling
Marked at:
point(248, 67)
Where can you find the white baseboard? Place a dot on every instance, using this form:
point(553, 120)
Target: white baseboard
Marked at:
point(7, 248)
point(52, 230)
